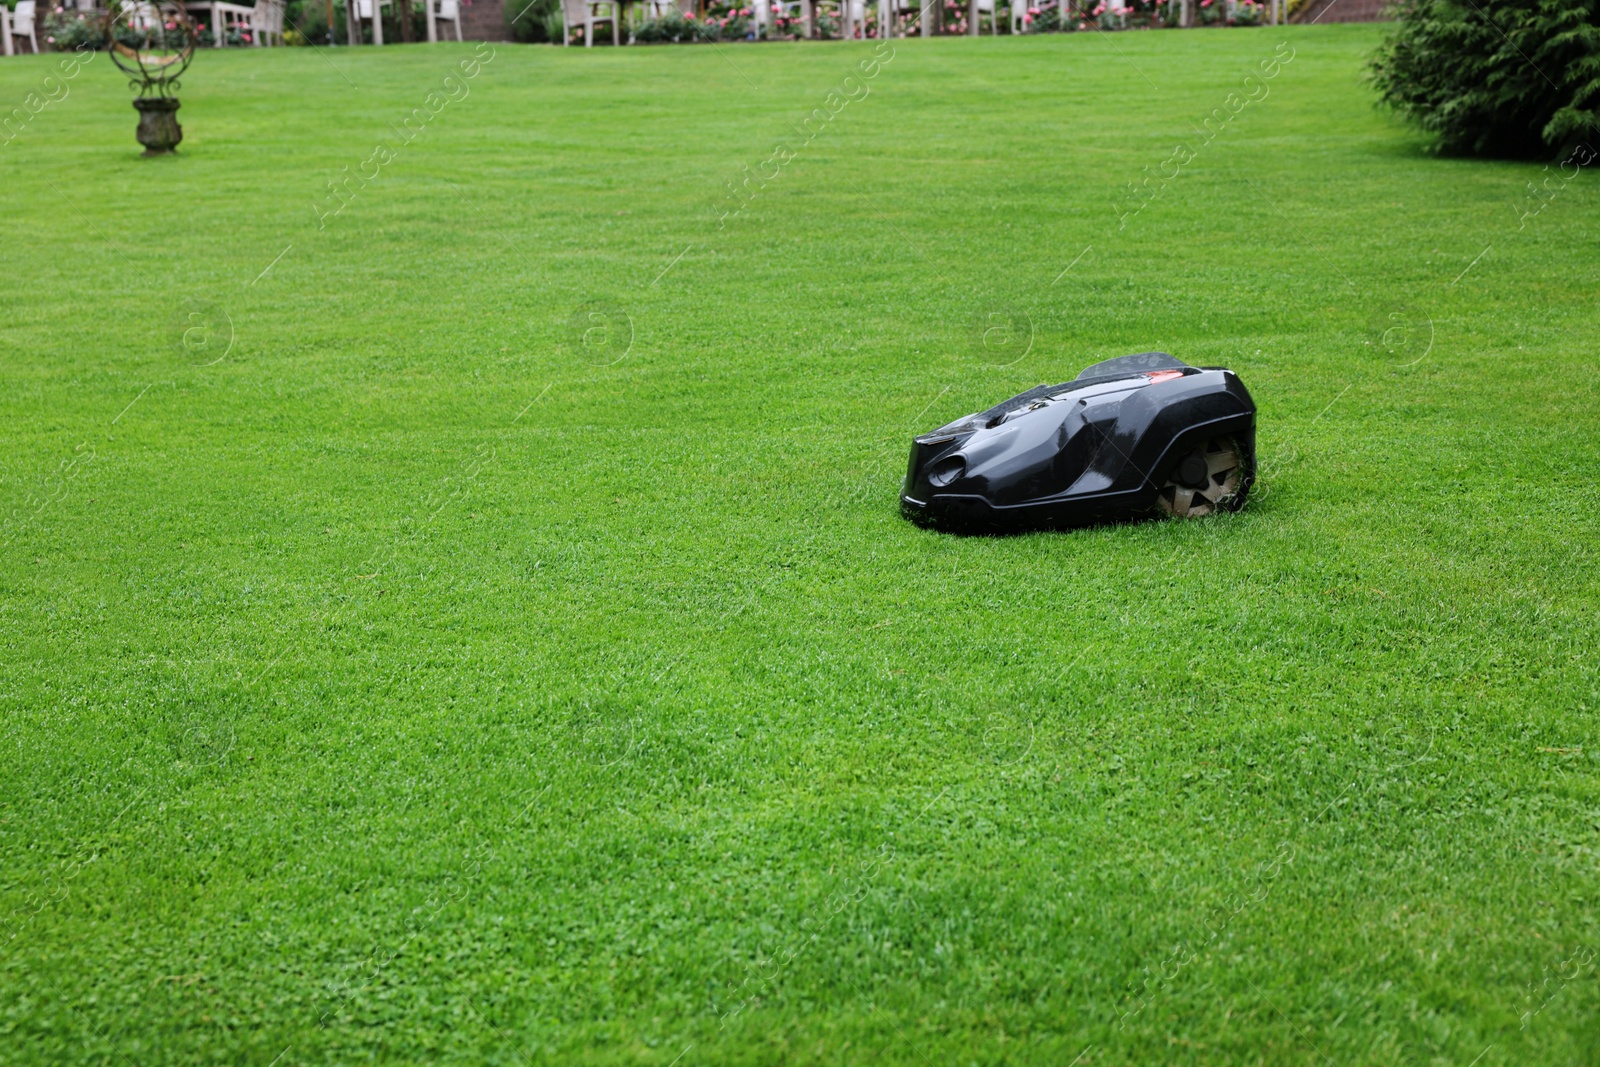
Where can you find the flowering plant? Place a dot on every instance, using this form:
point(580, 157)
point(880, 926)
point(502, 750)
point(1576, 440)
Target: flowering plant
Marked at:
point(67, 32)
point(1247, 13)
point(734, 21)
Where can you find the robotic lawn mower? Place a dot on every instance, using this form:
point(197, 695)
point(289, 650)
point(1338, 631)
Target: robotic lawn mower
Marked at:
point(1132, 436)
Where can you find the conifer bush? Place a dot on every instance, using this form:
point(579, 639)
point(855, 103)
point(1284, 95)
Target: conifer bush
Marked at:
point(1508, 78)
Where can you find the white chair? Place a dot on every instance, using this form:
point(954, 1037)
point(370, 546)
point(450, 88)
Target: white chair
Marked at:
point(266, 23)
point(365, 10)
point(235, 18)
point(21, 24)
point(231, 22)
point(588, 12)
point(225, 19)
point(889, 12)
point(445, 11)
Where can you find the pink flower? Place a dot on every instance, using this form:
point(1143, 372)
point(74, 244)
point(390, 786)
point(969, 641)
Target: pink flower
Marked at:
point(1102, 9)
point(1026, 19)
point(50, 40)
point(1033, 11)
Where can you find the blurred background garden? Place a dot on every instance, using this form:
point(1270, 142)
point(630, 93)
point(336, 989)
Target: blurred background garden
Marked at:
point(344, 22)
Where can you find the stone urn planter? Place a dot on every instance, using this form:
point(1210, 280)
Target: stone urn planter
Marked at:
point(159, 131)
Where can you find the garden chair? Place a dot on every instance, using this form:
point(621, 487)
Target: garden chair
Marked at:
point(445, 11)
point(234, 18)
point(141, 16)
point(889, 12)
point(588, 12)
point(266, 23)
point(359, 10)
point(20, 25)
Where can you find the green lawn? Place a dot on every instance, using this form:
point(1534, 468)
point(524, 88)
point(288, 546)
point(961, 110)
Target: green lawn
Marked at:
point(492, 637)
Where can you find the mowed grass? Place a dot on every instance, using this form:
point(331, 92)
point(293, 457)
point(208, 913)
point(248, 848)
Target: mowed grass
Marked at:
point(411, 668)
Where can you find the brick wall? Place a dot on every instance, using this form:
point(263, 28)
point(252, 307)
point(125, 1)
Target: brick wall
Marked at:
point(481, 20)
point(1322, 11)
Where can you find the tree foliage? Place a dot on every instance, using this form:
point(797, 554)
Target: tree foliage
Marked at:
point(534, 21)
point(1512, 78)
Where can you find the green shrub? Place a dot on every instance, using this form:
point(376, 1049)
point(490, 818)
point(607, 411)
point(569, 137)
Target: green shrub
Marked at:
point(1248, 13)
point(687, 28)
point(535, 21)
point(701, 29)
point(70, 32)
point(1516, 78)
point(308, 20)
point(684, 29)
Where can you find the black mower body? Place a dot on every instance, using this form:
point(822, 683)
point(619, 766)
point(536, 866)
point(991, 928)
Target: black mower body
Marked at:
point(1096, 449)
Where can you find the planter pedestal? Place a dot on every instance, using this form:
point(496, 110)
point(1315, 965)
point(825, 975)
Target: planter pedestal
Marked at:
point(159, 131)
